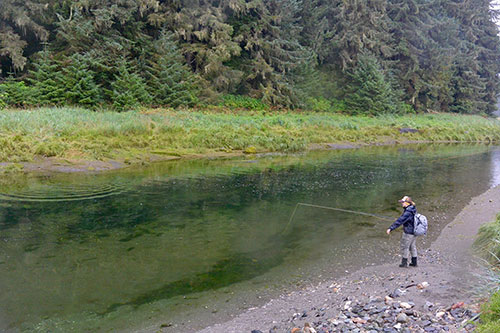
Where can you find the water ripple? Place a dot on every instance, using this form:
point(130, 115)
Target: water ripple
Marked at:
point(49, 193)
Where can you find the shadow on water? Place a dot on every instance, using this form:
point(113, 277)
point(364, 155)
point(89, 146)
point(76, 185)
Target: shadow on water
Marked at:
point(76, 251)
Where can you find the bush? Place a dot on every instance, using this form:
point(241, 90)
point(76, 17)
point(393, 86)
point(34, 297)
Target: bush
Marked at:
point(16, 93)
point(3, 104)
point(319, 104)
point(243, 102)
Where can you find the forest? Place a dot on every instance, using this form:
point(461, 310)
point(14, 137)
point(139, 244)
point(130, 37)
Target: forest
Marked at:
point(365, 57)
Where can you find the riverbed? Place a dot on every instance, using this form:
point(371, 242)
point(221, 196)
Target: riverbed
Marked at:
point(187, 244)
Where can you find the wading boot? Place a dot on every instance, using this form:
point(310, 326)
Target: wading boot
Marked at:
point(404, 262)
point(413, 262)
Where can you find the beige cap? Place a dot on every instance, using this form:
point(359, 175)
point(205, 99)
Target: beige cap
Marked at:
point(406, 199)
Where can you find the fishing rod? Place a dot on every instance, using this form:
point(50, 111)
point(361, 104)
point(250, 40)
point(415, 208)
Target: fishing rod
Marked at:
point(385, 218)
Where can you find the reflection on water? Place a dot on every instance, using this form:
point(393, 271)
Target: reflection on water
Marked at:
point(82, 252)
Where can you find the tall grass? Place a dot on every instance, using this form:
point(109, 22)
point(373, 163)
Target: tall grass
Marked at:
point(80, 133)
point(488, 246)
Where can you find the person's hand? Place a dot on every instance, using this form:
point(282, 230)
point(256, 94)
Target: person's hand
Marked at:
point(388, 231)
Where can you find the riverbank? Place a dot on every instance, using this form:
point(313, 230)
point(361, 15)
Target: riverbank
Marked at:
point(76, 140)
point(440, 294)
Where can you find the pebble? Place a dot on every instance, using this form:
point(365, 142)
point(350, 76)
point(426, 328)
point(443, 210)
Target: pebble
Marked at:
point(402, 318)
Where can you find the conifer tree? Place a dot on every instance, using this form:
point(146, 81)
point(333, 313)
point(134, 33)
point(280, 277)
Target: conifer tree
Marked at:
point(170, 81)
point(369, 90)
point(79, 81)
point(128, 90)
point(47, 81)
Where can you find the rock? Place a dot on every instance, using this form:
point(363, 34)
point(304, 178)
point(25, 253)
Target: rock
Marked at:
point(397, 326)
point(423, 285)
point(308, 328)
point(408, 130)
point(256, 331)
point(457, 305)
point(397, 293)
point(296, 330)
point(440, 314)
point(402, 318)
point(359, 321)
point(429, 304)
point(405, 305)
point(388, 299)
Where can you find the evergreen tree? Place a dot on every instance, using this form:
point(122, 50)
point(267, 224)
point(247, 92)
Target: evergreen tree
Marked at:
point(47, 81)
point(369, 90)
point(79, 80)
point(170, 82)
point(128, 90)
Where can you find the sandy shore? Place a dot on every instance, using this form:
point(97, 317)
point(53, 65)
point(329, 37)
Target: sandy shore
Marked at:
point(448, 266)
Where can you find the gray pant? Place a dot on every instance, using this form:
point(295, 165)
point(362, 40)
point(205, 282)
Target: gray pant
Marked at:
point(408, 243)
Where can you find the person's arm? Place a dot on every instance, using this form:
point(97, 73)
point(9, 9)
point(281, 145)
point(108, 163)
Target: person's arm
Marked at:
point(402, 219)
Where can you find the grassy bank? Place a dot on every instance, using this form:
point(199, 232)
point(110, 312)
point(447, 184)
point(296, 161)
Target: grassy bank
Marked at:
point(133, 136)
point(488, 246)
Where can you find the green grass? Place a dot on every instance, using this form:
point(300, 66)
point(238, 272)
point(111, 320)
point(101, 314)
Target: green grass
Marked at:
point(488, 246)
point(83, 134)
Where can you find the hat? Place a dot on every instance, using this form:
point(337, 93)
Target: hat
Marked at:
point(406, 199)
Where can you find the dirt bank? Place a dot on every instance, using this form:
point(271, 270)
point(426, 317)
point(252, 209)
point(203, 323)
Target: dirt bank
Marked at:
point(448, 266)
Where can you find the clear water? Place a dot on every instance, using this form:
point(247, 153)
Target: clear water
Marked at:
point(192, 242)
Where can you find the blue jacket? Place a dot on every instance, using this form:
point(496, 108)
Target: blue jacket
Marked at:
point(406, 219)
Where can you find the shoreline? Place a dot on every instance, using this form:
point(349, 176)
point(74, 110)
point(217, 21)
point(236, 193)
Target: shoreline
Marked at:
point(43, 165)
point(79, 140)
point(452, 277)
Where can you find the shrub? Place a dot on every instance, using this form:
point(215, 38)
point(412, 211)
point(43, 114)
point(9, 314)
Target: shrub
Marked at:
point(16, 93)
point(243, 102)
point(319, 104)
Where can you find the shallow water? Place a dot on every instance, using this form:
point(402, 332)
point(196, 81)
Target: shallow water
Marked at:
point(200, 240)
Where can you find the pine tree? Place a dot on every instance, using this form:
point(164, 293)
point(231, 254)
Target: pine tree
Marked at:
point(128, 90)
point(369, 90)
point(47, 81)
point(170, 81)
point(79, 80)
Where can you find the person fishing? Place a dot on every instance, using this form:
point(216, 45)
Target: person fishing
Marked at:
point(408, 240)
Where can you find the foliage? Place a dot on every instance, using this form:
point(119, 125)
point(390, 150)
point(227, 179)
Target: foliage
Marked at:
point(47, 81)
point(16, 93)
point(369, 90)
point(170, 82)
point(243, 102)
point(488, 246)
point(128, 90)
point(441, 55)
point(490, 315)
point(319, 104)
point(79, 82)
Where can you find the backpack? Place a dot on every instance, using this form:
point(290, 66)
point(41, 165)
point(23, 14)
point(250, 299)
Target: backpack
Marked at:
point(419, 225)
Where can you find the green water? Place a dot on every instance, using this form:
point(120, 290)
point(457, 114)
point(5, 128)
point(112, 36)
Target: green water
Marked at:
point(192, 242)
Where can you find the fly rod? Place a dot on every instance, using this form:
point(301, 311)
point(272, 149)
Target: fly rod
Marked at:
point(385, 218)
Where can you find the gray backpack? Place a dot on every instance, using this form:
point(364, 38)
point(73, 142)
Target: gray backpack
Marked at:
point(420, 225)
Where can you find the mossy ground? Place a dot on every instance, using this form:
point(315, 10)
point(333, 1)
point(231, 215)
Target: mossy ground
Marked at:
point(79, 134)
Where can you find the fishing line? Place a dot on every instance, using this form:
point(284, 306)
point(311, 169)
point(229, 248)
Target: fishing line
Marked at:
point(385, 218)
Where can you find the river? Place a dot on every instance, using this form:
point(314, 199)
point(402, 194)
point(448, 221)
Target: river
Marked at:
point(190, 243)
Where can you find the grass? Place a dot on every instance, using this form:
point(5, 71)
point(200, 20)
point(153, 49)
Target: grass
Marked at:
point(82, 134)
point(488, 246)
